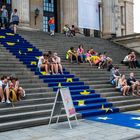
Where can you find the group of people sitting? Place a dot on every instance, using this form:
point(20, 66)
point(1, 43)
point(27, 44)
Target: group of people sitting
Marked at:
point(8, 87)
point(70, 31)
point(131, 61)
point(124, 85)
point(101, 60)
point(50, 63)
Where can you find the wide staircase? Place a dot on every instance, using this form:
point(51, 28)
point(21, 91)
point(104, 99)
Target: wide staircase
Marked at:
point(88, 85)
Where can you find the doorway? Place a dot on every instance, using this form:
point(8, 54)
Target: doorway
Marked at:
point(49, 10)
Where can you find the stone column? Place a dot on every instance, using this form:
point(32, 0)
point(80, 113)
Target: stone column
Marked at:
point(69, 12)
point(23, 10)
point(129, 17)
point(109, 23)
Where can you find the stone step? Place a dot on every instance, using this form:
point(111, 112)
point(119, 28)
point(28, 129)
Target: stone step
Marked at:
point(26, 108)
point(36, 90)
point(132, 107)
point(120, 98)
point(126, 102)
point(30, 123)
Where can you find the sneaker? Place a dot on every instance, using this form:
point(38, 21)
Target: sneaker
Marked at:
point(24, 93)
point(8, 102)
point(99, 67)
point(3, 101)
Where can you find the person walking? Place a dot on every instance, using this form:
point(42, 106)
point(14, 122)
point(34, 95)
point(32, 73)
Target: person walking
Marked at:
point(52, 26)
point(15, 20)
point(4, 16)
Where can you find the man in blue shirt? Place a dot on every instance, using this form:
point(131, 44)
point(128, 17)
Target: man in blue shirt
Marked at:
point(4, 16)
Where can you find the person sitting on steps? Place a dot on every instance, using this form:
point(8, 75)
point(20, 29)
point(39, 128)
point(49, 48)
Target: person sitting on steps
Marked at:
point(58, 62)
point(80, 52)
point(134, 84)
point(14, 85)
point(115, 75)
point(4, 89)
point(43, 63)
point(122, 85)
point(72, 55)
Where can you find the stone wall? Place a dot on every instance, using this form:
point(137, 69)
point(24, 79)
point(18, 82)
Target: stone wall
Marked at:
point(39, 20)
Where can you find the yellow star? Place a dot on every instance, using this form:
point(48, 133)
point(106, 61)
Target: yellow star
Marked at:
point(85, 92)
point(10, 43)
point(37, 57)
point(29, 49)
point(59, 85)
point(81, 103)
point(2, 36)
point(43, 73)
point(10, 34)
point(69, 80)
point(33, 62)
point(106, 109)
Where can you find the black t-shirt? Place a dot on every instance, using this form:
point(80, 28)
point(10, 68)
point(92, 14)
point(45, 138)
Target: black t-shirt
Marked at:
point(130, 80)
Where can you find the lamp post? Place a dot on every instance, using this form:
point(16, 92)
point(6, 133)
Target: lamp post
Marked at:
point(36, 14)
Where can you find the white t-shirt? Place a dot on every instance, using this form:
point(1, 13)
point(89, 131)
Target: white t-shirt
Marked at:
point(126, 59)
point(6, 85)
point(40, 61)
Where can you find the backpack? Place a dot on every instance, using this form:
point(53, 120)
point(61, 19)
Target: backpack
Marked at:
point(15, 17)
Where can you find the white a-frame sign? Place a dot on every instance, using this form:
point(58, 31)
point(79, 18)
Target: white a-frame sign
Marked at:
point(63, 97)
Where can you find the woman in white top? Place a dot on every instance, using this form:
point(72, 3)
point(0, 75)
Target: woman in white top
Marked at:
point(122, 85)
point(43, 63)
point(58, 63)
point(15, 20)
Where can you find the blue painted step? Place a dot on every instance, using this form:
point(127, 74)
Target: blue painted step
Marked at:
point(90, 101)
point(80, 97)
point(93, 106)
point(89, 113)
point(73, 87)
point(58, 80)
point(57, 76)
point(75, 92)
point(66, 84)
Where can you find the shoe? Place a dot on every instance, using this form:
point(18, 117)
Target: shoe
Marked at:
point(8, 102)
point(3, 101)
point(99, 67)
point(24, 93)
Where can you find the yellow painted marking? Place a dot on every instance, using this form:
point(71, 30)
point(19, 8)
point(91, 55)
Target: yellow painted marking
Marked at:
point(29, 49)
point(33, 62)
point(106, 109)
point(10, 43)
point(10, 34)
point(2, 36)
point(81, 102)
point(43, 73)
point(85, 92)
point(37, 57)
point(69, 80)
point(59, 85)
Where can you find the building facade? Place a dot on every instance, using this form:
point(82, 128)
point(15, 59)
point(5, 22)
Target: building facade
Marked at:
point(115, 16)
